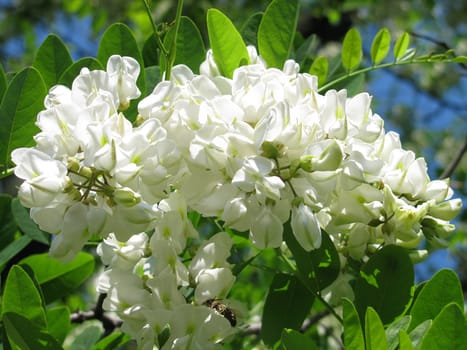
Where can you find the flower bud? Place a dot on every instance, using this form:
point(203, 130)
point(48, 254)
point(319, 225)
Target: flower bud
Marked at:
point(126, 197)
point(305, 227)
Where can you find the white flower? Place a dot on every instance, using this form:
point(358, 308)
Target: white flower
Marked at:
point(213, 284)
point(46, 178)
point(123, 72)
point(305, 227)
point(266, 230)
point(254, 176)
point(211, 254)
point(73, 235)
point(123, 255)
point(199, 328)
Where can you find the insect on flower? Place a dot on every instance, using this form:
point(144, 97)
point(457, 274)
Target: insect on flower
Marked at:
point(223, 310)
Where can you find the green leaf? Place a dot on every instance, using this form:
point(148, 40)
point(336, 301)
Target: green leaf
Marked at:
point(393, 331)
point(351, 50)
point(319, 67)
point(460, 59)
point(190, 49)
point(353, 334)
point(249, 30)
point(3, 82)
point(8, 226)
point(150, 52)
point(22, 297)
point(320, 267)
point(287, 304)
point(401, 45)
point(448, 331)
point(22, 101)
point(25, 223)
point(385, 283)
point(404, 341)
point(443, 288)
point(276, 32)
point(52, 59)
point(112, 341)
point(87, 338)
point(380, 46)
point(10, 251)
point(119, 40)
point(227, 45)
point(293, 340)
point(153, 77)
point(26, 335)
point(59, 279)
point(375, 337)
point(58, 320)
point(73, 71)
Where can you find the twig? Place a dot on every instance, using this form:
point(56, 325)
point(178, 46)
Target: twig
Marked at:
point(456, 161)
point(109, 322)
point(437, 42)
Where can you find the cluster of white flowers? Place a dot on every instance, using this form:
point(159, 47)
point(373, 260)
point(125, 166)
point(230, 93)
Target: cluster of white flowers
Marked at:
point(253, 151)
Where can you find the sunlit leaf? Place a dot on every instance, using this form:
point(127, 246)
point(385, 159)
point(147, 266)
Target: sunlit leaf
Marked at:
point(460, 59)
point(353, 334)
point(52, 59)
point(404, 341)
point(22, 297)
point(375, 337)
point(448, 330)
point(443, 288)
point(25, 223)
point(112, 341)
point(23, 99)
point(58, 321)
point(59, 279)
point(276, 32)
point(319, 67)
point(249, 30)
point(87, 338)
point(190, 49)
point(293, 340)
point(12, 249)
point(401, 45)
point(286, 306)
point(26, 335)
point(73, 71)
point(385, 284)
point(380, 46)
point(227, 45)
point(3, 82)
point(351, 50)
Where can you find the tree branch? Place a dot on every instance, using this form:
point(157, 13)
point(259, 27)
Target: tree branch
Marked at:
point(109, 322)
point(456, 161)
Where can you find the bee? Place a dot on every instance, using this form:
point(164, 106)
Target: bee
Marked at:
point(222, 310)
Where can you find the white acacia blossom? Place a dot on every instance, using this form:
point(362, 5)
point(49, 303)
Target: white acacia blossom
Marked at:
point(254, 152)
